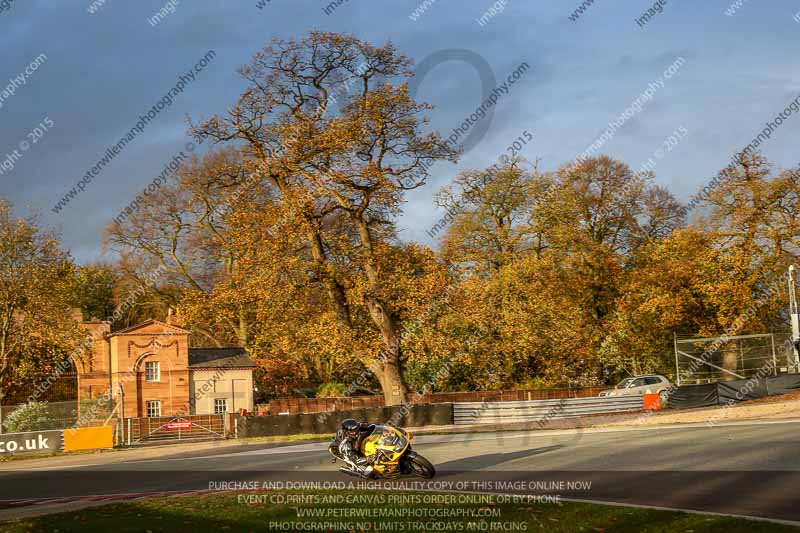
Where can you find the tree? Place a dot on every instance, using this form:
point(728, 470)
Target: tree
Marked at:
point(32, 416)
point(182, 231)
point(600, 213)
point(493, 221)
point(555, 251)
point(37, 287)
point(294, 335)
point(523, 324)
point(602, 202)
point(721, 274)
point(753, 215)
point(350, 159)
point(95, 290)
point(667, 291)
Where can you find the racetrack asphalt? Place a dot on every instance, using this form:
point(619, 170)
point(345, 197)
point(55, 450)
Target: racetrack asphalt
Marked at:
point(747, 469)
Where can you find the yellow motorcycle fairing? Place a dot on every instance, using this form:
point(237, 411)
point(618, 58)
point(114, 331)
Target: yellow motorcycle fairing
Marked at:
point(388, 444)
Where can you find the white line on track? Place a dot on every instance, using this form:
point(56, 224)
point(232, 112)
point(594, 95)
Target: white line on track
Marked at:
point(441, 438)
point(483, 436)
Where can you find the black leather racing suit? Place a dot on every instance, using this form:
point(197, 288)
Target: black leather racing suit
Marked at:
point(349, 448)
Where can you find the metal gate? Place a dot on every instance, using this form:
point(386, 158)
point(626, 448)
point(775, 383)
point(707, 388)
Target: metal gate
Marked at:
point(731, 357)
point(138, 431)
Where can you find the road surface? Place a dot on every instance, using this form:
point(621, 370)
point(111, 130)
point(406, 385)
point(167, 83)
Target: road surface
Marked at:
point(745, 468)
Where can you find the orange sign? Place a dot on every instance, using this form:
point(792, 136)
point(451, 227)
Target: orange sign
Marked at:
point(88, 438)
point(652, 402)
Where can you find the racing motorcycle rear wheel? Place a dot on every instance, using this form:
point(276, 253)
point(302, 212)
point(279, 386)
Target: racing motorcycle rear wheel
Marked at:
point(420, 466)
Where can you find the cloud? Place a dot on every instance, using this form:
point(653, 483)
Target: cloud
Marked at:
point(104, 69)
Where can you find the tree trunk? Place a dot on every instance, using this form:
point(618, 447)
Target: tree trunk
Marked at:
point(387, 369)
point(332, 286)
point(2, 421)
point(243, 329)
point(394, 388)
point(207, 335)
point(730, 362)
point(3, 370)
point(324, 269)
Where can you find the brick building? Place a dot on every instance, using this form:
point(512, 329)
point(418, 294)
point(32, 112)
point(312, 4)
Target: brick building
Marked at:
point(157, 374)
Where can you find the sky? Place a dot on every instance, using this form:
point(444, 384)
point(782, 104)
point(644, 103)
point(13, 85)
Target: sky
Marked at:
point(94, 67)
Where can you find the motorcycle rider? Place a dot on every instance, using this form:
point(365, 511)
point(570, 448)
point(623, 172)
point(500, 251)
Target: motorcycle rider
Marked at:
point(348, 441)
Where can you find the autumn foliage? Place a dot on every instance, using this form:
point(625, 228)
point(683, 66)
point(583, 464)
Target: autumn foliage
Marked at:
point(282, 238)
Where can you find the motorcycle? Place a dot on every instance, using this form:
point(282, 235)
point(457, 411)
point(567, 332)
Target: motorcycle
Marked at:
point(394, 457)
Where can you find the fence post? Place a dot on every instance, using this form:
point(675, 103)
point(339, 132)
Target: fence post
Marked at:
point(677, 364)
point(774, 359)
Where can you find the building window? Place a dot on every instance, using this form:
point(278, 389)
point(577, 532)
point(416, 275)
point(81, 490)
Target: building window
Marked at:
point(220, 406)
point(152, 371)
point(153, 408)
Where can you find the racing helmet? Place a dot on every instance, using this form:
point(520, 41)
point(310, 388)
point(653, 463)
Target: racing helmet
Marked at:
point(350, 427)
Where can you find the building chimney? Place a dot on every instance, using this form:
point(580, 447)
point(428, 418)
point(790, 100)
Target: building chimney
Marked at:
point(76, 314)
point(173, 317)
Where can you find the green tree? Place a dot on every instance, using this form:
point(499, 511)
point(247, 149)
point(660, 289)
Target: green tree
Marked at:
point(95, 290)
point(493, 216)
point(32, 416)
point(37, 288)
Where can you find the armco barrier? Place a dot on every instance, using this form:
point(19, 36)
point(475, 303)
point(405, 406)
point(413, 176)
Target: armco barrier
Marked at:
point(542, 410)
point(320, 423)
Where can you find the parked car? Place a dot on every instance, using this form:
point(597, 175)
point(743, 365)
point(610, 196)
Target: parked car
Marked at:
point(650, 384)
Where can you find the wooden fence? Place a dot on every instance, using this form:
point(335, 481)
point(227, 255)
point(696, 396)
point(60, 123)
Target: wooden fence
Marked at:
point(319, 405)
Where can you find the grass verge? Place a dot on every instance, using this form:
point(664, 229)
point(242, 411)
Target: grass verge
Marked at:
point(374, 511)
